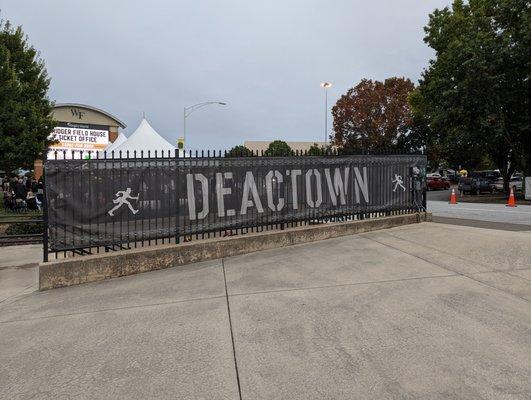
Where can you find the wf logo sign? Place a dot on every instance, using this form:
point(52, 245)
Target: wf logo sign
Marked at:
point(77, 113)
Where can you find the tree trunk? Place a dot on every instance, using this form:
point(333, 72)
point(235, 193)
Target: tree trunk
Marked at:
point(506, 172)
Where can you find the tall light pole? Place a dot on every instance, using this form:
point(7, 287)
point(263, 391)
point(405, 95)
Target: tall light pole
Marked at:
point(326, 86)
point(190, 109)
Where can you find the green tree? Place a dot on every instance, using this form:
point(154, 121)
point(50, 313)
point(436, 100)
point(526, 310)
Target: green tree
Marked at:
point(438, 152)
point(373, 115)
point(316, 150)
point(25, 110)
point(278, 148)
point(475, 93)
point(239, 151)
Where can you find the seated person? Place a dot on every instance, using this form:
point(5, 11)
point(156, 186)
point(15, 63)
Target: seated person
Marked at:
point(8, 200)
point(31, 201)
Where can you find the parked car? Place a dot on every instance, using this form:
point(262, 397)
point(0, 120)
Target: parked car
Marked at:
point(474, 184)
point(516, 183)
point(466, 185)
point(437, 182)
point(453, 178)
point(490, 175)
point(498, 185)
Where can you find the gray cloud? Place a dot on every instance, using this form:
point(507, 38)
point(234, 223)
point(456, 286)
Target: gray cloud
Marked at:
point(265, 59)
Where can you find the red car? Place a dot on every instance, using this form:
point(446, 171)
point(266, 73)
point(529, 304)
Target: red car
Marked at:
point(437, 182)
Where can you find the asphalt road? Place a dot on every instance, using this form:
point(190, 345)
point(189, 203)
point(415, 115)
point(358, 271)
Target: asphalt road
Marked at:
point(425, 311)
point(439, 195)
point(482, 215)
point(495, 216)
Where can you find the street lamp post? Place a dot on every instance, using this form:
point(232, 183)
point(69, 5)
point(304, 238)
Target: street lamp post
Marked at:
point(326, 86)
point(190, 109)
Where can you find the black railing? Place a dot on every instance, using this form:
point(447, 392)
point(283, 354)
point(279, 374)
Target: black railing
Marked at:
point(98, 202)
point(17, 231)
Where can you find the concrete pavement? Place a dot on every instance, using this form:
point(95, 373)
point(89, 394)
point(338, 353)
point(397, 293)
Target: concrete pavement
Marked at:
point(423, 311)
point(28, 255)
point(18, 269)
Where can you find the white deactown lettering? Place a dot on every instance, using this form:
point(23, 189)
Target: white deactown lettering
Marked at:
point(222, 191)
point(249, 186)
point(294, 173)
point(291, 189)
point(191, 196)
point(318, 188)
point(339, 187)
point(278, 179)
point(361, 183)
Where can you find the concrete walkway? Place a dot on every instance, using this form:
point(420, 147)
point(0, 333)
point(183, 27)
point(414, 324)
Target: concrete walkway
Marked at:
point(427, 311)
point(18, 270)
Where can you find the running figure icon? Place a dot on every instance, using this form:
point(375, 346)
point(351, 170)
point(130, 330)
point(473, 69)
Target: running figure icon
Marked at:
point(398, 181)
point(123, 197)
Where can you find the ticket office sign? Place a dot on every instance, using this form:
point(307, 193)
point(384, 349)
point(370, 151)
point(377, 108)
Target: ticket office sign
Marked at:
point(69, 136)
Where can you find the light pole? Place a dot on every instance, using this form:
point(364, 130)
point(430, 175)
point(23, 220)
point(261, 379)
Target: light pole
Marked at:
point(190, 109)
point(326, 86)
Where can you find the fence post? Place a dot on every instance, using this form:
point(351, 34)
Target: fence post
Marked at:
point(177, 238)
point(44, 209)
point(424, 197)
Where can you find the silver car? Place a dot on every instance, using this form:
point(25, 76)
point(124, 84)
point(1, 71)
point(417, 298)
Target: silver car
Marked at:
point(498, 185)
point(515, 183)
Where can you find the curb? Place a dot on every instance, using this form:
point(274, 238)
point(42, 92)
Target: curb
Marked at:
point(93, 268)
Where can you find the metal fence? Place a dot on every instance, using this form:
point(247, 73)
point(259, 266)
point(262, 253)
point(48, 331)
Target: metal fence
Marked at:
point(98, 202)
point(17, 230)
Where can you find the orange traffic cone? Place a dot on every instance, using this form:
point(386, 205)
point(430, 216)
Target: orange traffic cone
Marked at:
point(511, 202)
point(453, 197)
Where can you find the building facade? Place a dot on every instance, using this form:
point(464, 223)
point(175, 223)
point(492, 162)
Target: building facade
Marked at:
point(83, 127)
point(80, 127)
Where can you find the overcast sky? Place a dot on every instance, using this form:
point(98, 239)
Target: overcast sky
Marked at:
point(265, 59)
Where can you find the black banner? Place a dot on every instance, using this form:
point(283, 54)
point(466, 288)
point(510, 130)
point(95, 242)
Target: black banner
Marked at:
point(109, 201)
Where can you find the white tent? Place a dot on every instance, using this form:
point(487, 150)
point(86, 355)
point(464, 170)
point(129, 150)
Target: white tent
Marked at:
point(119, 140)
point(107, 152)
point(145, 139)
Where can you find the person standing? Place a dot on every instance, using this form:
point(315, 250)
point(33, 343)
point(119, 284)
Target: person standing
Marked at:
point(20, 189)
point(40, 190)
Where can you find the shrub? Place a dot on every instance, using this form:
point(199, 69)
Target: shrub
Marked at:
point(240, 151)
point(278, 148)
point(25, 228)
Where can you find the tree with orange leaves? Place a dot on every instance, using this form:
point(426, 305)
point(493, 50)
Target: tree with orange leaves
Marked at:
point(373, 115)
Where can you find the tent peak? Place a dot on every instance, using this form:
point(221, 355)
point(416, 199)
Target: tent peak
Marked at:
point(145, 138)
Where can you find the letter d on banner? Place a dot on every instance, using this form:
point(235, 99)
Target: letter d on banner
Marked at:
point(191, 195)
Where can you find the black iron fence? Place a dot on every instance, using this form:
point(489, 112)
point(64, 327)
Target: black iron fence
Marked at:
point(100, 202)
